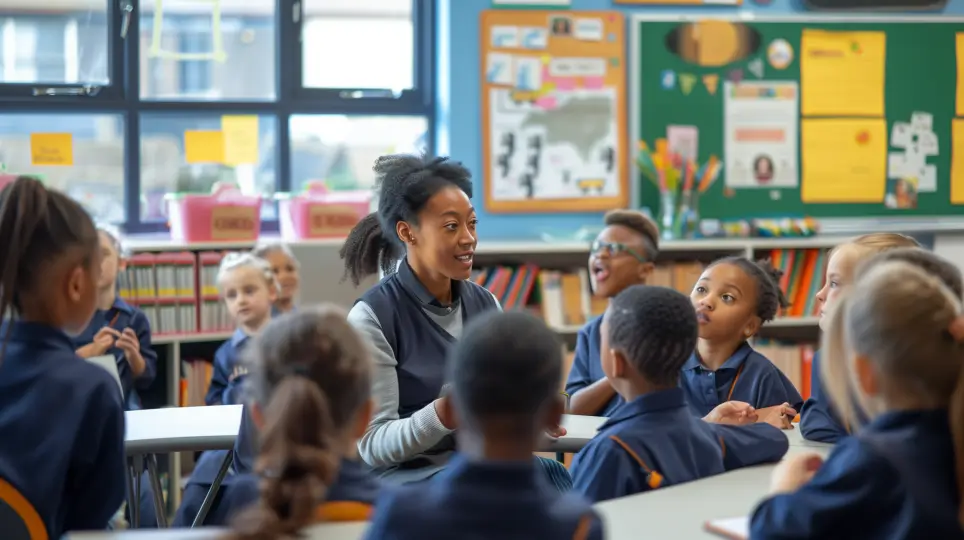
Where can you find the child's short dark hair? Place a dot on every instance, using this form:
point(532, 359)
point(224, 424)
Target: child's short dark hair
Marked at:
point(769, 296)
point(506, 364)
point(927, 261)
point(639, 223)
point(311, 374)
point(655, 328)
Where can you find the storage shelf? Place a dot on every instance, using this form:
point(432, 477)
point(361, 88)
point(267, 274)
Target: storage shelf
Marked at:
point(198, 337)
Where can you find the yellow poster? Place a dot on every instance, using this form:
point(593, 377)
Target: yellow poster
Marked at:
point(843, 160)
point(959, 46)
point(957, 162)
point(842, 73)
point(52, 149)
point(240, 139)
point(202, 147)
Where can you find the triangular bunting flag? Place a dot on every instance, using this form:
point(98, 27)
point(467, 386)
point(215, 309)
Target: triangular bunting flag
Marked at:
point(735, 75)
point(756, 68)
point(686, 82)
point(711, 82)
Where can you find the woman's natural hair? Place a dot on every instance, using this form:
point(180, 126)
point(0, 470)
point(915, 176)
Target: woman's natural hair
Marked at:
point(404, 183)
point(770, 298)
point(238, 259)
point(311, 373)
point(906, 322)
point(38, 226)
point(114, 235)
point(263, 250)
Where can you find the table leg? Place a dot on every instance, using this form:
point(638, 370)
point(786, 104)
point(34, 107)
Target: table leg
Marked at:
point(213, 491)
point(159, 507)
point(132, 495)
point(561, 457)
point(137, 466)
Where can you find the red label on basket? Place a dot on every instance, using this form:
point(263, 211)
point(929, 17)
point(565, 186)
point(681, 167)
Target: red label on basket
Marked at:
point(331, 220)
point(233, 222)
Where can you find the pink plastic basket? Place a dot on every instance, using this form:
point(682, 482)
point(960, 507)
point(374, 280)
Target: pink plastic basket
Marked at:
point(226, 215)
point(6, 179)
point(320, 213)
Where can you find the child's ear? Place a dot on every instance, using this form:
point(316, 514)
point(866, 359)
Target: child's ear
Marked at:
point(620, 364)
point(752, 327)
point(363, 418)
point(646, 270)
point(866, 376)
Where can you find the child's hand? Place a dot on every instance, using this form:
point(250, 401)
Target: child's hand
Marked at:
point(793, 472)
point(779, 416)
point(129, 343)
point(104, 339)
point(736, 413)
point(239, 371)
point(556, 431)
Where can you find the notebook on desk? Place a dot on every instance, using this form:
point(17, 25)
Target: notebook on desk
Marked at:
point(109, 363)
point(737, 528)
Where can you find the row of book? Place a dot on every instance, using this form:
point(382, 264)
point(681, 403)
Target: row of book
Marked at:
point(177, 292)
point(565, 298)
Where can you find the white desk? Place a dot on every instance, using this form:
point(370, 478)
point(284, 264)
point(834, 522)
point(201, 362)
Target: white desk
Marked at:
point(177, 429)
point(579, 431)
point(338, 531)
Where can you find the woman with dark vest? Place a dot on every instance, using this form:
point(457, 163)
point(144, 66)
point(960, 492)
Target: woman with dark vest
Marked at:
point(423, 238)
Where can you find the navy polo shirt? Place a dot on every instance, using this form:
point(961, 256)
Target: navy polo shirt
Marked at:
point(746, 376)
point(61, 430)
point(655, 441)
point(818, 418)
point(223, 390)
point(893, 479)
point(586, 366)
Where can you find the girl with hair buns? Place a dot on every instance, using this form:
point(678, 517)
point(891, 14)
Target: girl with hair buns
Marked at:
point(895, 350)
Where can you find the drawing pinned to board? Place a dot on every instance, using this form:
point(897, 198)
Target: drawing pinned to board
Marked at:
point(756, 67)
point(712, 43)
point(534, 159)
point(735, 75)
point(504, 37)
point(686, 82)
point(534, 38)
point(668, 79)
point(916, 142)
point(902, 193)
point(711, 82)
point(780, 54)
point(760, 134)
point(499, 69)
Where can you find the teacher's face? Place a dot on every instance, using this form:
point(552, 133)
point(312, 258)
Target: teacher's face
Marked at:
point(445, 237)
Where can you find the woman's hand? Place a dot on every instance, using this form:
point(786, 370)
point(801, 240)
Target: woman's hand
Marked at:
point(779, 416)
point(735, 413)
point(793, 472)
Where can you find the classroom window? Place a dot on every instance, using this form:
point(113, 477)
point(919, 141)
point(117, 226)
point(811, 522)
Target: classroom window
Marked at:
point(190, 51)
point(89, 149)
point(340, 150)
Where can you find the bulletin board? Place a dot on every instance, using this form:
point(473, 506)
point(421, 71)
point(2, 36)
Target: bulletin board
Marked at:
point(828, 118)
point(554, 122)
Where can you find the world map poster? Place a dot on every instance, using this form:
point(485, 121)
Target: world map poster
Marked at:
point(553, 111)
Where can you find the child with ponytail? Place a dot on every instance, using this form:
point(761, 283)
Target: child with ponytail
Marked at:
point(310, 374)
point(894, 347)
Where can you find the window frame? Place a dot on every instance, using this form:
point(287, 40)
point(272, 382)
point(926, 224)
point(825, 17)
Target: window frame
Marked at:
point(123, 96)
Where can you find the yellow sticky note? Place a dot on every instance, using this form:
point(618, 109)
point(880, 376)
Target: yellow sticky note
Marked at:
point(959, 46)
point(52, 149)
point(957, 162)
point(843, 160)
point(842, 73)
point(240, 139)
point(204, 147)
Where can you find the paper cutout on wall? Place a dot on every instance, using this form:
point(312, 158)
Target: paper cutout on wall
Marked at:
point(917, 142)
point(668, 79)
point(686, 82)
point(735, 76)
point(756, 67)
point(843, 160)
point(711, 81)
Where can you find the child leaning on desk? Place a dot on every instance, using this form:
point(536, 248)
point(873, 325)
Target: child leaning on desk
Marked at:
point(311, 387)
point(504, 376)
point(654, 440)
point(894, 348)
point(61, 418)
point(118, 328)
point(818, 419)
point(733, 298)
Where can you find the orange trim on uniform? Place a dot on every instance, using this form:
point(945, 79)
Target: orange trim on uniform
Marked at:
point(722, 445)
point(653, 478)
point(736, 377)
point(24, 510)
point(343, 511)
point(582, 530)
point(796, 419)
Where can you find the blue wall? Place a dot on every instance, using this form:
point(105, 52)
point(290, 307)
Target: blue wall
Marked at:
point(458, 116)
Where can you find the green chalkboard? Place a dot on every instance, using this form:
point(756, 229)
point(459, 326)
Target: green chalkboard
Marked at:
point(921, 71)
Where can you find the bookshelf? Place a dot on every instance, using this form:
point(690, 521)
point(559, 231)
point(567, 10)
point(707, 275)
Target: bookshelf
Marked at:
point(183, 284)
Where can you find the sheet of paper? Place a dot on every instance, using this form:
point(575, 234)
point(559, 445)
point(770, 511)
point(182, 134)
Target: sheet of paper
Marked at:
point(504, 37)
point(900, 135)
point(202, 147)
point(844, 160)
point(498, 69)
point(52, 149)
point(241, 139)
point(957, 162)
point(842, 73)
point(760, 126)
point(737, 528)
point(959, 46)
point(684, 140)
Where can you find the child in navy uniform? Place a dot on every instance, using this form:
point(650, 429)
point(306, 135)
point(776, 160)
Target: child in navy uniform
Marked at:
point(654, 440)
point(818, 419)
point(733, 297)
point(61, 417)
point(118, 328)
point(895, 346)
point(311, 382)
point(504, 375)
point(622, 255)
point(286, 271)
